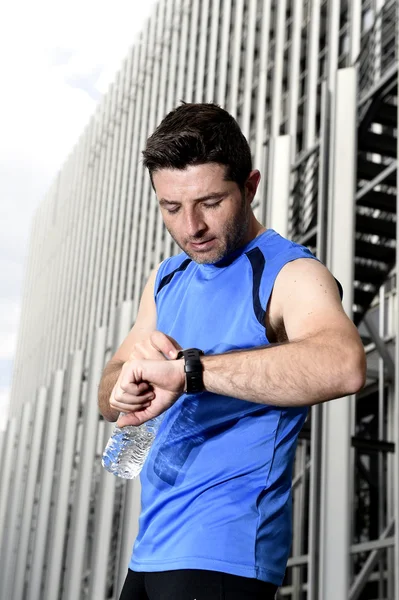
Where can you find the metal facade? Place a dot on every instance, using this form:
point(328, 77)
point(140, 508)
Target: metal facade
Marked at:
point(313, 84)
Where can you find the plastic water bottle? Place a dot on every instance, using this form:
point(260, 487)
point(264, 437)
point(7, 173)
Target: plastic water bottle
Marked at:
point(128, 448)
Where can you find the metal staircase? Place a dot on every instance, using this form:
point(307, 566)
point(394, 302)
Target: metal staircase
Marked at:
point(376, 191)
point(377, 159)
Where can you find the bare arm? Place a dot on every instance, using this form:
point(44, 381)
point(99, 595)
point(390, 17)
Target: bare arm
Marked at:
point(109, 378)
point(145, 324)
point(298, 373)
point(322, 359)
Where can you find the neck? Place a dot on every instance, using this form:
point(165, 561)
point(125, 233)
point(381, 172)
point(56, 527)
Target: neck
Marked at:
point(255, 228)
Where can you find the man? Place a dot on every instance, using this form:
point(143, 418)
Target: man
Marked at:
point(216, 486)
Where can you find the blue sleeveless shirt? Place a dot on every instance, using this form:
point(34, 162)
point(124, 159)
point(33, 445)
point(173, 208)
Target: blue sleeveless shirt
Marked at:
point(216, 486)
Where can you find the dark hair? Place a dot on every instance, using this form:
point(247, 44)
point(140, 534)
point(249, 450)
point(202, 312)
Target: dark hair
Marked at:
point(195, 134)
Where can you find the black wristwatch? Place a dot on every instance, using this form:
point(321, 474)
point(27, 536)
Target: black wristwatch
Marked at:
point(193, 370)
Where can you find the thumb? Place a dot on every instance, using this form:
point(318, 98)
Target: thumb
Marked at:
point(125, 419)
point(165, 344)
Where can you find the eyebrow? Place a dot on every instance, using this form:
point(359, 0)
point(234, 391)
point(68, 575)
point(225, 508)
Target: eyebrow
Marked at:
point(216, 195)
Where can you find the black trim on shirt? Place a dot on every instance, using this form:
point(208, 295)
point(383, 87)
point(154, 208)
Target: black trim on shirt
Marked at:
point(340, 289)
point(168, 278)
point(258, 262)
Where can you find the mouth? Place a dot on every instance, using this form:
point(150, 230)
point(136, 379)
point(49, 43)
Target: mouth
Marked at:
point(202, 246)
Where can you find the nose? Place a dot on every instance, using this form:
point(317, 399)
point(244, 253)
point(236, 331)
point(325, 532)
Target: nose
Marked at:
point(194, 223)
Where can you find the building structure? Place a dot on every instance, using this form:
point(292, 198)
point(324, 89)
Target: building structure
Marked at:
point(313, 84)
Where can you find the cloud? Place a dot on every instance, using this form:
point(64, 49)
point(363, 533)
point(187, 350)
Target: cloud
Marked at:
point(55, 62)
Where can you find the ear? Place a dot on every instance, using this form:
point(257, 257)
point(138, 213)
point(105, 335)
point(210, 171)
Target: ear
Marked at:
point(251, 184)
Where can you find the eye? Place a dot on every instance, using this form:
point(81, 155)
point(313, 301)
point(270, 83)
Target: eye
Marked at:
point(212, 204)
point(172, 211)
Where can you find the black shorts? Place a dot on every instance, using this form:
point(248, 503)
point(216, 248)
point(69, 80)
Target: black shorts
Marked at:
point(194, 584)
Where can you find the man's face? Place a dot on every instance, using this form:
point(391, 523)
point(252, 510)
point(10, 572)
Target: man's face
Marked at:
point(207, 216)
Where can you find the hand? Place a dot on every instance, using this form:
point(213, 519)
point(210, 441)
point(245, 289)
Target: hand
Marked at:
point(167, 381)
point(130, 395)
point(158, 346)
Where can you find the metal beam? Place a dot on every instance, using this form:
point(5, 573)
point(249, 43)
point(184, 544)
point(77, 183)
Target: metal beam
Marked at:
point(298, 512)
point(192, 49)
point(17, 489)
point(368, 567)
point(260, 107)
point(278, 195)
point(386, 79)
point(396, 390)
point(26, 524)
point(297, 561)
point(312, 61)
point(80, 513)
point(46, 485)
point(131, 509)
point(235, 42)
point(250, 28)
point(301, 475)
point(202, 51)
point(130, 518)
point(295, 72)
point(335, 502)
point(380, 345)
point(317, 411)
point(355, 30)
point(278, 75)
point(103, 528)
point(369, 187)
point(105, 493)
point(225, 39)
point(9, 447)
point(53, 574)
point(379, 544)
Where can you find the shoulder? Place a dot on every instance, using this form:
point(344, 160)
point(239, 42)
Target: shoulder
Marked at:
point(306, 275)
point(299, 279)
point(305, 295)
point(278, 249)
point(269, 255)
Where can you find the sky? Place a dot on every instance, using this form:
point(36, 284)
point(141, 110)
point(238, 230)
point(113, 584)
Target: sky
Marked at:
point(56, 61)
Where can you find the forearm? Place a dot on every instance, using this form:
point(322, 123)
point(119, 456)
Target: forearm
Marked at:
point(108, 380)
point(298, 373)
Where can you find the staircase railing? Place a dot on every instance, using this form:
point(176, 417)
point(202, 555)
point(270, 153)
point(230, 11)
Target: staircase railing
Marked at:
point(304, 195)
point(379, 48)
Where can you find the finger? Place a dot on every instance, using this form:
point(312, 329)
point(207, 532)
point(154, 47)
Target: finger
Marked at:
point(128, 398)
point(149, 352)
point(131, 404)
point(132, 396)
point(134, 418)
point(127, 408)
point(139, 351)
point(129, 419)
point(165, 344)
point(133, 389)
point(145, 350)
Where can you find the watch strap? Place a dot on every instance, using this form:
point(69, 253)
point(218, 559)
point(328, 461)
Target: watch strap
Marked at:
point(193, 370)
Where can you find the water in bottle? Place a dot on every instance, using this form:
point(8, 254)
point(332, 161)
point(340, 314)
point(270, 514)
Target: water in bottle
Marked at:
point(128, 448)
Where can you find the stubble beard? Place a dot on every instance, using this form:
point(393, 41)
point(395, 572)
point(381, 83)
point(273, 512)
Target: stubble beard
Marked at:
point(233, 238)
